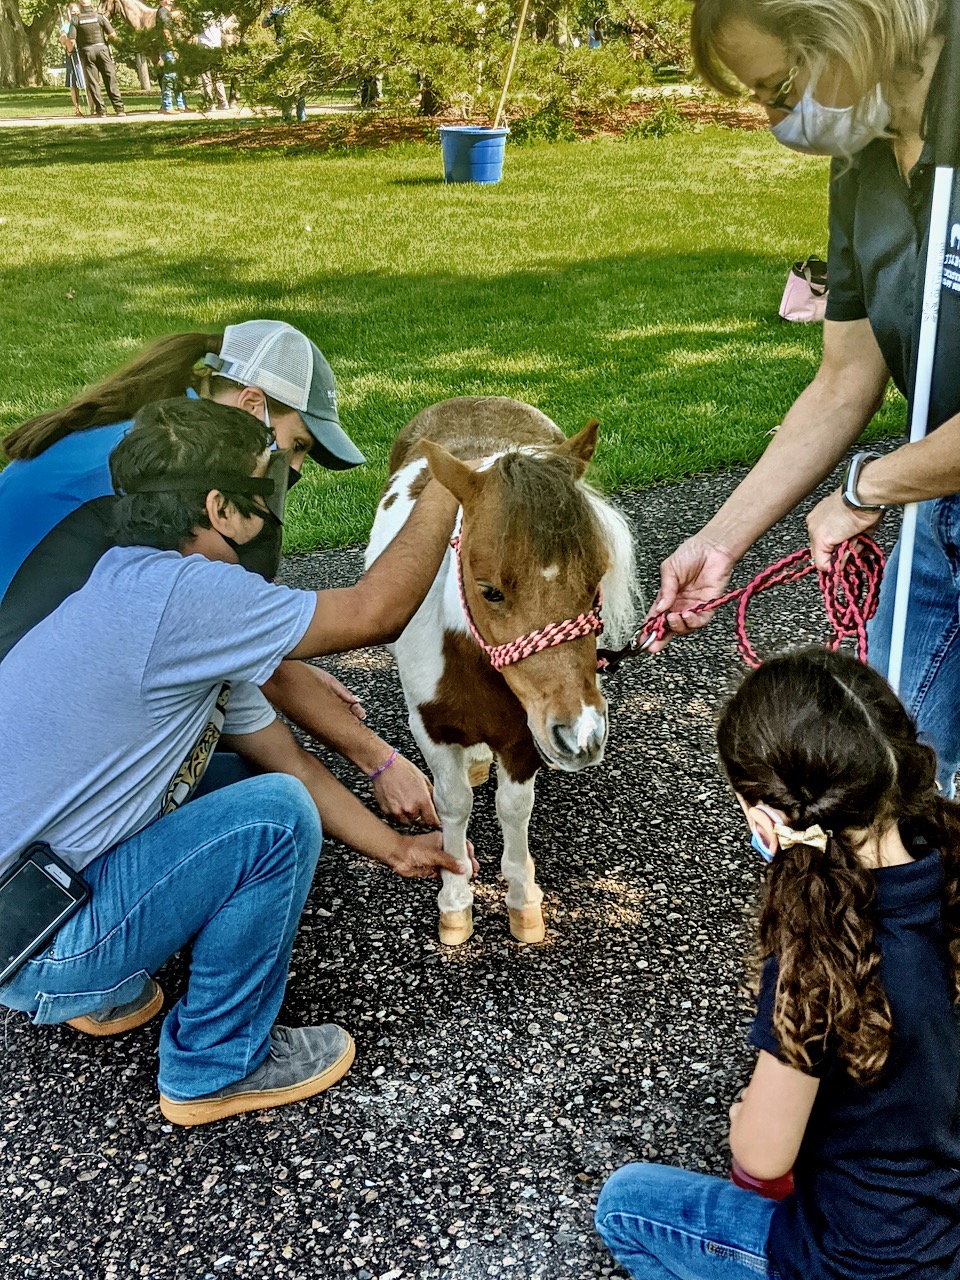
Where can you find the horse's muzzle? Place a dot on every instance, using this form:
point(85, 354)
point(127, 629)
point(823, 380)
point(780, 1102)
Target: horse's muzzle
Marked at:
point(575, 744)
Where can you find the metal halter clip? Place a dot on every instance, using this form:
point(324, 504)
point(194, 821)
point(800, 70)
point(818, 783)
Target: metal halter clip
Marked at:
point(608, 660)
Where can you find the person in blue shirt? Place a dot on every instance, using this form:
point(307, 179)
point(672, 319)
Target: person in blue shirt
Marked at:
point(73, 71)
point(857, 1080)
point(57, 506)
point(276, 19)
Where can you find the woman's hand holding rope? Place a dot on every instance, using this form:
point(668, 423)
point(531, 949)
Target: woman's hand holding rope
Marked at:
point(831, 523)
point(698, 571)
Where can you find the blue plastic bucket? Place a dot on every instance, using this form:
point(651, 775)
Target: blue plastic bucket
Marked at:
point(472, 153)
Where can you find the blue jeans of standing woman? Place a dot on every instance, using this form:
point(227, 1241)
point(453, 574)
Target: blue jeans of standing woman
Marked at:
point(170, 85)
point(660, 1222)
point(228, 874)
point(930, 679)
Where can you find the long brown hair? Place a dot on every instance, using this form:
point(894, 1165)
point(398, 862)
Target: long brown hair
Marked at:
point(823, 738)
point(164, 368)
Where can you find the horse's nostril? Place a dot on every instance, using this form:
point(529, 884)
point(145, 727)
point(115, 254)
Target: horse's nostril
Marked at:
point(578, 739)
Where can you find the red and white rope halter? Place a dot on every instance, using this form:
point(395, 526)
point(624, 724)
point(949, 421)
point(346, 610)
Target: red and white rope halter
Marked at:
point(554, 633)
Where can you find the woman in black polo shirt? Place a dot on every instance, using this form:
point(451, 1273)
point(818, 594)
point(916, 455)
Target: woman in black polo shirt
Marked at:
point(856, 79)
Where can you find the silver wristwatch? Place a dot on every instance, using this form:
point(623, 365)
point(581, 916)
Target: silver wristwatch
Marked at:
point(851, 477)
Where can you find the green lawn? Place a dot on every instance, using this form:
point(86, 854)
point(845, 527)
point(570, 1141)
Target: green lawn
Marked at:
point(24, 104)
point(635, 282)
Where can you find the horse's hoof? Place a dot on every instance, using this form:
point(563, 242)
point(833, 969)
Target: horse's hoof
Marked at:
point(478, 773)
point(456, 926)
point(527, 925)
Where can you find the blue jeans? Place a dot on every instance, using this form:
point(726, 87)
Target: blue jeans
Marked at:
point(660, 1222)
point(290, 105)
point(170, 84)
point(227, 873)
point(930, 679)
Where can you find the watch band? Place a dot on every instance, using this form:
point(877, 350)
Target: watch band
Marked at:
point(850, 478)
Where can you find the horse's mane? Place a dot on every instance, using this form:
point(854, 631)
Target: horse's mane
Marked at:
point(554, 517)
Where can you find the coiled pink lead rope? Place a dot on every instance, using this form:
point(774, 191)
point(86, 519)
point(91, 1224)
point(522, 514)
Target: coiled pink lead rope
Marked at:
point(851, 591)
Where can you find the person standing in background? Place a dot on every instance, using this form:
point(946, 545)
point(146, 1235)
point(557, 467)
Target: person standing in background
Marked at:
point(73, 72)
point(275, 19)
point(89, 33)
point(211, 81)
point(170, 85)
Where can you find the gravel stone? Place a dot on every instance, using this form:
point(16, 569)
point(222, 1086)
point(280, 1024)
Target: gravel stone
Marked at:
point(496, 1086)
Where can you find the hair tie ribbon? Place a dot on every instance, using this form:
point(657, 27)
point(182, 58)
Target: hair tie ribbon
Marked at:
point(814, 836)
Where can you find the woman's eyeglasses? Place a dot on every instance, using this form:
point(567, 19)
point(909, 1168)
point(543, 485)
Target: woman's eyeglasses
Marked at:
point(778, 96)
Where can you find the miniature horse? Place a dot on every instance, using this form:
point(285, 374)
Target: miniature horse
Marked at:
point(535, 546)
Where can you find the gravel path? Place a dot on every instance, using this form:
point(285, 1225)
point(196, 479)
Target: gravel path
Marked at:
point(495, 1086)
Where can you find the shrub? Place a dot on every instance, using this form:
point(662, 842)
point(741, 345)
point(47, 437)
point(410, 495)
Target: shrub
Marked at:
point(663, 121)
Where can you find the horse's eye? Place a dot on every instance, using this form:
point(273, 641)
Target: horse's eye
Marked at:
point(490, 593)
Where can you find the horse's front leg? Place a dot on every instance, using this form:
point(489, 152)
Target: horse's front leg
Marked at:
point(453, 797)
point(514, 806)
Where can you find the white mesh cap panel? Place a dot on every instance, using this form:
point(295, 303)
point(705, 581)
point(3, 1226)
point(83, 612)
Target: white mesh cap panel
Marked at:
point(270, 355)
point(286, 369)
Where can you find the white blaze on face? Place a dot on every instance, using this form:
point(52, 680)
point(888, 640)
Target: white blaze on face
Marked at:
point(550, 572)
point(590, 727)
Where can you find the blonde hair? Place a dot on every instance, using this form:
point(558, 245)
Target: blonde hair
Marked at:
point(878, 41)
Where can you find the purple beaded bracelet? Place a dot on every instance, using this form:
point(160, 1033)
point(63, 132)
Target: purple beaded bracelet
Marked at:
point(386, 765)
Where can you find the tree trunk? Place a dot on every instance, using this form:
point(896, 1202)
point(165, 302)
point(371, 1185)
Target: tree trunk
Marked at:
point(430, 104)
point(143, 71)
point(22, 47)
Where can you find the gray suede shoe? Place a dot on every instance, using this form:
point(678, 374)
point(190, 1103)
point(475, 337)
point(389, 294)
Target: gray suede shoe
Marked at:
point(302, 1061)
point(122, 1017)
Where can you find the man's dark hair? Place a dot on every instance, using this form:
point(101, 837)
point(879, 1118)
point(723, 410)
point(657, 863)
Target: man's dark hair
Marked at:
point(179, 440)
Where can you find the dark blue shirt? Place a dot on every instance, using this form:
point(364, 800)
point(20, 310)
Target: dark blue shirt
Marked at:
point(56, 521)
point(55, 524)
point(877, 260)
point(878, 1174)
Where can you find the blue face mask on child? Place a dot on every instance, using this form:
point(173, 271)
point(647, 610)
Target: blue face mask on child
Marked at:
point(765, 853)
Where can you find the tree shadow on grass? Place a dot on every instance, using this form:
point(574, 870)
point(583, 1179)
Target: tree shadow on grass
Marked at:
point(94, 144)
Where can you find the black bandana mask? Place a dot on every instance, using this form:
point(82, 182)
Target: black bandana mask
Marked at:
point(262, 553)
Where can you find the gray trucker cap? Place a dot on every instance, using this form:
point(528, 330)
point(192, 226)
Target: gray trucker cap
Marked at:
point(287, 366)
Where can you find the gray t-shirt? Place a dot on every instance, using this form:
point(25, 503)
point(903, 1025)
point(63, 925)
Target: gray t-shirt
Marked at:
point(101, 702)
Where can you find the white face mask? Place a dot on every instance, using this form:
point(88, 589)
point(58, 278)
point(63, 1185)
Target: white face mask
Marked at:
point(817, 130)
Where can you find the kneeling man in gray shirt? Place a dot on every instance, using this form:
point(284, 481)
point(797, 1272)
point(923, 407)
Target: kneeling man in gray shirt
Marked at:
point(157, 657)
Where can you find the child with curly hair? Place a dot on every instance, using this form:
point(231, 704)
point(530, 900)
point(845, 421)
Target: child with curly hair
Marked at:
point(857, 1082)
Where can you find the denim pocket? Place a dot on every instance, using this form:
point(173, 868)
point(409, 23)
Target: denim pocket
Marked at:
point(61, 1006)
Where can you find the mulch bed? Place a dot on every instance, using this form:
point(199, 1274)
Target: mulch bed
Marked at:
point(376, 129)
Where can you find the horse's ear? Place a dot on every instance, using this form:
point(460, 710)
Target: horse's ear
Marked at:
point(462, 481)
point(582, 445)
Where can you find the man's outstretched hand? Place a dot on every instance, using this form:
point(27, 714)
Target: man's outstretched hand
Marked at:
point(424, 857)
point(343, 693)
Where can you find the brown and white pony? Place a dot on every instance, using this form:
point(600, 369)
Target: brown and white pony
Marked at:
point(537, 546)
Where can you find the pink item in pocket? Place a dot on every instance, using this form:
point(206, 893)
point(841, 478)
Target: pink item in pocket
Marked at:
point(805, 295)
